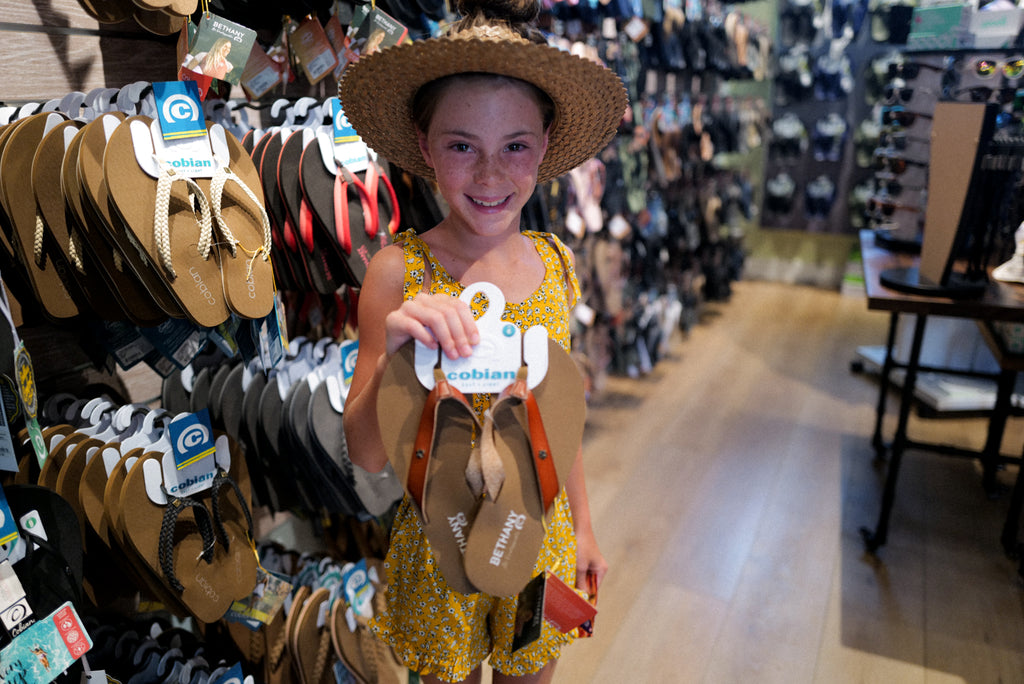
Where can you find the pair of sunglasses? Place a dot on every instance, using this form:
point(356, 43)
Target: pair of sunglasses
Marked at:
point(883, 161)
point(985, 93)
point(903, 117)
point(910, 70)
point(987, 68)
point(886, 207)
point(891, 186)
point(894, 94)
point(899, 139)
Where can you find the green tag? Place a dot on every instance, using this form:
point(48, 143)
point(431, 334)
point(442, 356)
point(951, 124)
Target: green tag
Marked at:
point(29, 401)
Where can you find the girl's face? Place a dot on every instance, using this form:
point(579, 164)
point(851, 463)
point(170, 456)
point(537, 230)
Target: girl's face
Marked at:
point(485, 143)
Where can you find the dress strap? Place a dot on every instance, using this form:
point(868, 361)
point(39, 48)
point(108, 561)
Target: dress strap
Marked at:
point(569, 280)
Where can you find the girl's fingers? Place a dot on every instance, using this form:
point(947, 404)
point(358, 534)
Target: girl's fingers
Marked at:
point(434, 320)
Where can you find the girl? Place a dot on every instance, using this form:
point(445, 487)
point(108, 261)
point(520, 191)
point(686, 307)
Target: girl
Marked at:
point(487, 111)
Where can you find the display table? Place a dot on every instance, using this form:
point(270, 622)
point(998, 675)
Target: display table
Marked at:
point(999, 302)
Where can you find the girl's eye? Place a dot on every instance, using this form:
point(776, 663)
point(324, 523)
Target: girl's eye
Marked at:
point(516, 147)
point(460, 147)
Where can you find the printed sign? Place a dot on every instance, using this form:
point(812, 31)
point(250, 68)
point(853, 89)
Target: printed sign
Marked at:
point(220, 49)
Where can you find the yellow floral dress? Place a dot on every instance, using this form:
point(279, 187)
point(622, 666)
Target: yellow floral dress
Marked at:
point(432, 628)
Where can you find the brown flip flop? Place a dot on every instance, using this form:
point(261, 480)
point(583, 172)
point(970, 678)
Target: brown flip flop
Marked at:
point(537, 435)
point(170, 237)
point(428, 437)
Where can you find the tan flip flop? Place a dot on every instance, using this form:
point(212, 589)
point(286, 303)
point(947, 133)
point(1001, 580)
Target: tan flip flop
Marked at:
point(236, 200)
point(428, 437)
point(33, 246)
point(168, 220)
point(47, 167)
point(176, 541)
point(537, 435)
point(144, 294)
point(311, 645)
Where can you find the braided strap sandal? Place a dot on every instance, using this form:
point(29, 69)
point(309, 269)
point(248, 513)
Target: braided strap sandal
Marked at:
point(168, 222)
point(172, 511)
point(246, 238)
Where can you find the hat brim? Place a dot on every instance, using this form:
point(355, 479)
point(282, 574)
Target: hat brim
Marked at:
point(377, 93)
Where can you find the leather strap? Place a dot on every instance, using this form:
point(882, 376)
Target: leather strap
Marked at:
point(543, 464)
point(341, 220)
point(422, 450)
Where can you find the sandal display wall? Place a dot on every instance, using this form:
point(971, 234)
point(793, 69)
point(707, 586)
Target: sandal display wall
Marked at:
point(656, 222)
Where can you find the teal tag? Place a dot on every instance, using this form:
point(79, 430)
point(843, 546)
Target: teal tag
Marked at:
point(343, 131)
point(192, 439)
point(180, 109)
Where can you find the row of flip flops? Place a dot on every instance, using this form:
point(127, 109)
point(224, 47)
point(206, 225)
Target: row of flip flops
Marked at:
point(99, 225)
point(483, 491)
point(327, 220)
point(161, 17)
point(151, 650)
point(191, 554)
point(289, 422)
point(321, 635)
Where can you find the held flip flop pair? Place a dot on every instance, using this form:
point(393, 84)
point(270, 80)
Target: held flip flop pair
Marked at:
point(483, 513)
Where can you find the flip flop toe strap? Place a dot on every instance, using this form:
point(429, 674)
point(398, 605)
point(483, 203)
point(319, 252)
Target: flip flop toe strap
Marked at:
point(161, 229)
point(174, 508)
point(219, 480)
point(540, 448)
point(217, 183)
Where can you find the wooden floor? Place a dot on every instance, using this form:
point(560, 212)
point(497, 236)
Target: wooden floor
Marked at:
point(727, 491)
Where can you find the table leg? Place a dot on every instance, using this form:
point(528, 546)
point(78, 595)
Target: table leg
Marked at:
point(876, 538)
point(1011, 526)
point(877, 441)
point(996, 425)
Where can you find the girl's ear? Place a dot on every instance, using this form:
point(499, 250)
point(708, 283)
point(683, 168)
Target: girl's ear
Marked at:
point(421, 137)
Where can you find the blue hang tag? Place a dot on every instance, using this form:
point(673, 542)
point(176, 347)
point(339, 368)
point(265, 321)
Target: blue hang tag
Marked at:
point(343, 131)
point(231, 676)
point(192, 439)
point(180, 109)
point(349, 354)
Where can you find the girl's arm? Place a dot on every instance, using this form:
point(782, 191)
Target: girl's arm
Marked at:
point(588, 556)
point(386, 322)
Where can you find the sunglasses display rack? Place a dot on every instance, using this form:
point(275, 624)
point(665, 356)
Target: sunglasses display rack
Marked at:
point(818, 168)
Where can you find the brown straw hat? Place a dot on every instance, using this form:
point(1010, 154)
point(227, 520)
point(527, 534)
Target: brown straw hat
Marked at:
point(377, 93)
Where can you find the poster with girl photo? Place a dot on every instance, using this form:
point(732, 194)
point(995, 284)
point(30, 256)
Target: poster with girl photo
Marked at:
point(220, 49)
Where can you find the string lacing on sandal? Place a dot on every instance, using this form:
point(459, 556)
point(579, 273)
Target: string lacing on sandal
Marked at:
point(219, 480)
point(174, 508)
point(75, 253)
point(323, 651)
point(161, 229)
point(277, 650)
point(37, 241)
point(220, 177)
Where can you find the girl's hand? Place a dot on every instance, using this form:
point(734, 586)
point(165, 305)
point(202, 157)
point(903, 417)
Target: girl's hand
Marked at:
point(434, 320)
point(589, 561)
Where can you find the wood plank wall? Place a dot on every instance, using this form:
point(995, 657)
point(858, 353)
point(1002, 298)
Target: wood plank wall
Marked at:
point(49, 48)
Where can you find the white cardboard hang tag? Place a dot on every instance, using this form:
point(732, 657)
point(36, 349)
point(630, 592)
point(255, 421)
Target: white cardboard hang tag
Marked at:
point(503, 349)
point(197, 157)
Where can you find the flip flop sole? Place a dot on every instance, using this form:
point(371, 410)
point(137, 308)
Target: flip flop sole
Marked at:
point(449, 504)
